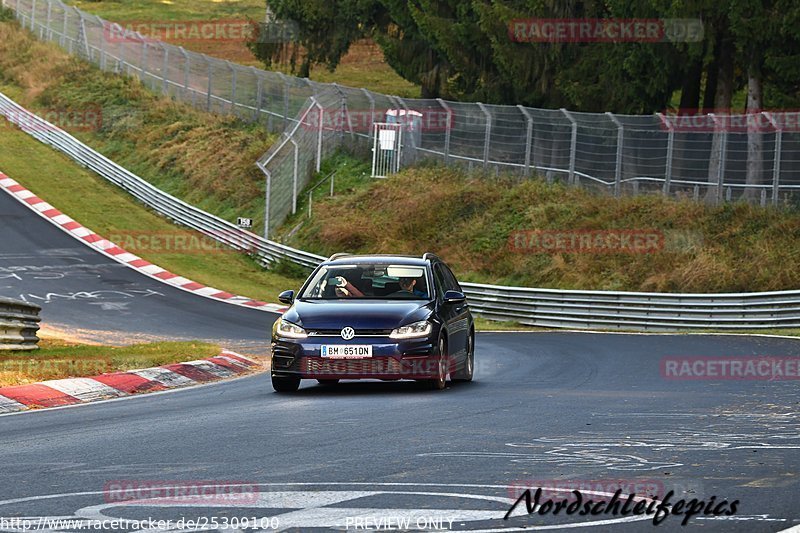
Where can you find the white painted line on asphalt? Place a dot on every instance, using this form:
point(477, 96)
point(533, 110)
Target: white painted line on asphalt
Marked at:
point(168, 378)
point(85, 389)
point(793, 529)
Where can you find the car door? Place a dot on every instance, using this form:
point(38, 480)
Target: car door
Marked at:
point(460, 327)
point(449, 313)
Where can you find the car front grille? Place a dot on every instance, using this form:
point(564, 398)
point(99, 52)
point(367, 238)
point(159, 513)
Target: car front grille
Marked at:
point(359, 332)
point(357, 367)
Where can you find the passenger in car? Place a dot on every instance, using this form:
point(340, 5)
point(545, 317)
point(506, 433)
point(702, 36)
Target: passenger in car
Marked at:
point(345, 289)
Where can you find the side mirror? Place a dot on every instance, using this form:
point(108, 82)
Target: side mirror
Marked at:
point(454, 297)
point(286, 297)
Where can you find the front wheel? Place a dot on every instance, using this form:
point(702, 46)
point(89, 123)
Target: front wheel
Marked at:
point(466, 372)
point(285, 383)
point(440, 381)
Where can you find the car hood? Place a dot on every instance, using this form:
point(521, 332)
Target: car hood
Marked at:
point(358, 314)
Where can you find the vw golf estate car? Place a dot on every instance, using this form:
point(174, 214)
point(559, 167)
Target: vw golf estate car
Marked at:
point(375, 317)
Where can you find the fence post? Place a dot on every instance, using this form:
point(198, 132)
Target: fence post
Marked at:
point(33, 15)
point(448, 129)
point(121, 49)
point(210, 78)
point(723, 149)
point(63, 28)
point(285, 98)
point(49, 19)
point(670, 149)
point(233, 86)
point(83, 36)
point(294, 177)
point(267, 197)
point(776, 166)
point(164, 69)
point(572, 146)
point(371, 110)
point(102, 48)
point(620, 140)
point(143, 58)
point(345, 110)
point(186, 67)
point(528, 138)
point(488, 137)
point(319, 133)
point(259, 93)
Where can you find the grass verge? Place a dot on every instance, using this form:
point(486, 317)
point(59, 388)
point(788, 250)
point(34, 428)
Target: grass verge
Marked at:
point(58, 359)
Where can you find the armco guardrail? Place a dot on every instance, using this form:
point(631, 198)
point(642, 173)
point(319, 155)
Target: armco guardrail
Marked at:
point(635, 310)
point(536, 307)
point(19, 322)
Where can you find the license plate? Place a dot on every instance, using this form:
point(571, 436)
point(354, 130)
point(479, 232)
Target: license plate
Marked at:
point(350, 351)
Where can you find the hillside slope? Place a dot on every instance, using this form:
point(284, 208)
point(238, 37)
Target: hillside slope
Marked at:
point(473, 222)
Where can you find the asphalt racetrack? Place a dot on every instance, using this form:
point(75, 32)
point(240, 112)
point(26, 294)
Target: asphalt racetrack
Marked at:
point(546, 410)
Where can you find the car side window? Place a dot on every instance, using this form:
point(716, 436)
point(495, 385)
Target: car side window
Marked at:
point(452, 283)
point(441, 283)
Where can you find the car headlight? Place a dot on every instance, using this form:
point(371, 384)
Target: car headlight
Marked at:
point(292, 331)
point(412, 331)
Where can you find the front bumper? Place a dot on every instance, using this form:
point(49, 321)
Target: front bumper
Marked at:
point(408, 359)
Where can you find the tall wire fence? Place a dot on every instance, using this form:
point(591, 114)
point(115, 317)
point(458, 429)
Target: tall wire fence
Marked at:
point(715, 158)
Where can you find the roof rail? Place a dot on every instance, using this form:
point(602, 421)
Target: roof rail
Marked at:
point(429, 256)
point(337, 256)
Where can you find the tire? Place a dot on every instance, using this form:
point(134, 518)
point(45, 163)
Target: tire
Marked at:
point(327, 382)
point(465, 374)
point(285, 384)
point(440, 382)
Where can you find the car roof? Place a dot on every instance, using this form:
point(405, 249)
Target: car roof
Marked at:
point(378, 259)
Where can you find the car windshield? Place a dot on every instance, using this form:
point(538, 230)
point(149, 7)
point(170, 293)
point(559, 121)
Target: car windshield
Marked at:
point(368, 281)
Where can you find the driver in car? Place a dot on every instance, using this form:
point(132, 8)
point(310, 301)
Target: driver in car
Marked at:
point(407, 288)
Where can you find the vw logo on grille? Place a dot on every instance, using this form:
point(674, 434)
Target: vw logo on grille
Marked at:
point(348, 333)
